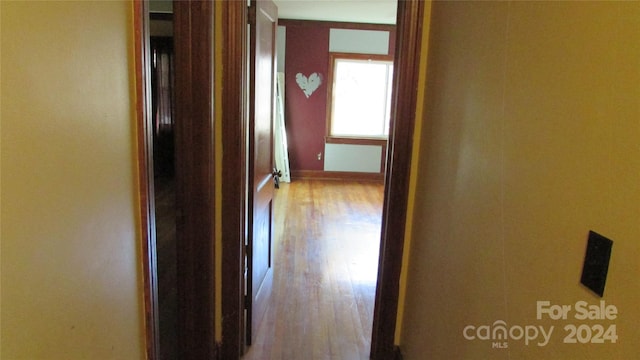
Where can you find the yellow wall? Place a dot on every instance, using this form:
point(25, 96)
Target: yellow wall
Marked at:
point(69, 251)
point(531, 138)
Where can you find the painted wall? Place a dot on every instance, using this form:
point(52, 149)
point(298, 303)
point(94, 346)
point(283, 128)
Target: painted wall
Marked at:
point(70, 278)
point(530, 139)
point(356, 158)
point(307, 52)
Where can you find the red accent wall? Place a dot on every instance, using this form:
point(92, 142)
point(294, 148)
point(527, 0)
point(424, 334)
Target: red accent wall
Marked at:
point(307, 52)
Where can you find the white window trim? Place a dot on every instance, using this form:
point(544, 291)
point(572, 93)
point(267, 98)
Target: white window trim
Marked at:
point(334, 57)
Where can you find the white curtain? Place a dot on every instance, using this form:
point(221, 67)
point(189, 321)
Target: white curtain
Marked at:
point(280, 138)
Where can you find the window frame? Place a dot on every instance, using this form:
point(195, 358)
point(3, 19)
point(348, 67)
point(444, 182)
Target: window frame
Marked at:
point(333, 56)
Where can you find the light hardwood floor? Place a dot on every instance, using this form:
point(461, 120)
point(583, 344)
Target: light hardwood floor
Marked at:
point(327, 236)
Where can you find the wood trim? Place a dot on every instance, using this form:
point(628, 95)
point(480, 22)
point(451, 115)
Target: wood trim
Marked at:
point(336, 175)
point(145, 179)
point(408, 48)
point(360, 56)
point(195, 179)
point(336, 25)
point(234, 132)
point(355, 141)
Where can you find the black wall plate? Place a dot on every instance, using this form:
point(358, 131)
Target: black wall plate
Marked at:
point(596, 263)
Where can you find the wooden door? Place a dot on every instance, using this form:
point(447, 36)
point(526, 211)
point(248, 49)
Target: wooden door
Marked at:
point(263, 21)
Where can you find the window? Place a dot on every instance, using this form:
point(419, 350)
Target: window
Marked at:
point(360, 95)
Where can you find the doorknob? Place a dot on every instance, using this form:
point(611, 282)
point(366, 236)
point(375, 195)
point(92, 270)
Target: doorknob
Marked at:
point(276, 177)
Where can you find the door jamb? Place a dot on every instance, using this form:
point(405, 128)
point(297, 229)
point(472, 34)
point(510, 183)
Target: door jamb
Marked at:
point(145, 177)
point(195, 178)
point(195, 138)
point(233, 33)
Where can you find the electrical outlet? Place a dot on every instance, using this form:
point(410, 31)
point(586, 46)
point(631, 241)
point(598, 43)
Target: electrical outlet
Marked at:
point(596, 262)
point(319, 156)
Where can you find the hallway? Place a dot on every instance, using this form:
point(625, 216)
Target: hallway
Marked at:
point(326, 257)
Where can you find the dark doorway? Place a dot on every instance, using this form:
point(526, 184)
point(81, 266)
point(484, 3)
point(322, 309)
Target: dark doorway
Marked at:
point(163, 121)
point(155, 93)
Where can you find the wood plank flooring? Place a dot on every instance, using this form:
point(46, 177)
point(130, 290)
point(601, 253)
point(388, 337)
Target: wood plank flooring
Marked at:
point(165, 201)
point(327, 236)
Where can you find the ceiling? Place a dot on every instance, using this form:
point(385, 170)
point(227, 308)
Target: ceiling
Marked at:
point(360, 11)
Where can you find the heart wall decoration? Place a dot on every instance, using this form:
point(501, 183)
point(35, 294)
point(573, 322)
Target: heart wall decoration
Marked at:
point(310, 84)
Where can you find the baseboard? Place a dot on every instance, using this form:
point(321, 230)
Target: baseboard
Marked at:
point(336, 175)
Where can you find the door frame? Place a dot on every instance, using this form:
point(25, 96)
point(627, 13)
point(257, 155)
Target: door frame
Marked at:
point(232, 30)
point(234, 120)
point(410, 19)
point(195, 178)
point(195, 141)
point(144, 142)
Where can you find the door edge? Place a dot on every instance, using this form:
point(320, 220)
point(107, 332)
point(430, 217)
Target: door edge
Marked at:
point(146, 205)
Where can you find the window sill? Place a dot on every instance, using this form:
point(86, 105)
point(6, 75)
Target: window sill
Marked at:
point(355, 140)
